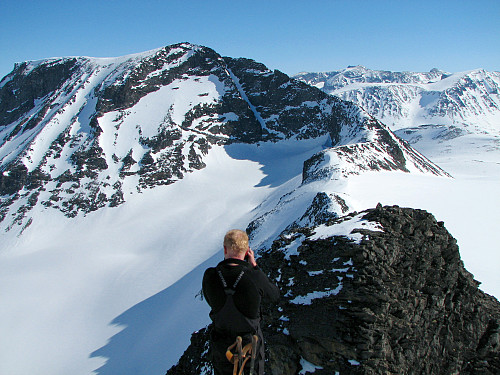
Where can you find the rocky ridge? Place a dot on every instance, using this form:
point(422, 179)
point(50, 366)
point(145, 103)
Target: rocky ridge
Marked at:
point(378, 292)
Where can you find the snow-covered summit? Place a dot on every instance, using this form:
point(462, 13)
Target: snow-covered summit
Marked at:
point(81, 134)
point(334, 80)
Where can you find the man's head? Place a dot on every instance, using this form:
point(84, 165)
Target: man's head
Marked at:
point(235, 244)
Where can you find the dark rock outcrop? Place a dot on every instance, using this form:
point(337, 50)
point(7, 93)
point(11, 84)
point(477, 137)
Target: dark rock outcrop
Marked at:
point(393, 299)
point(25, 84)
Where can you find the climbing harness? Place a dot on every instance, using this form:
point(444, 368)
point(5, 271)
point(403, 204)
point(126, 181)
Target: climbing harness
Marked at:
point(240, 358)
point(230, 291)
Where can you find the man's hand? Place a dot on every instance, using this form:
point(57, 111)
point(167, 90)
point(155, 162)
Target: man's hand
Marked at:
point(251, 258)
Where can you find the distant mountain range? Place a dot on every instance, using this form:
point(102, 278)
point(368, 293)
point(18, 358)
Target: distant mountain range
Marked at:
point(119, 177)
point(408, 99)
point(433, 106)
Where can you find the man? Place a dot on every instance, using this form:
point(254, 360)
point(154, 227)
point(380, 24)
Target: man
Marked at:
point(234, 290)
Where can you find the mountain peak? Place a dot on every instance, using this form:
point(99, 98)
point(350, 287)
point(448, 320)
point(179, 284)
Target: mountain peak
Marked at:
point(151, 116)
point(410, 99)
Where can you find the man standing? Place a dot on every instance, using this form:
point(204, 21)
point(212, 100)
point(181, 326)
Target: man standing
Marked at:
point(234, 290)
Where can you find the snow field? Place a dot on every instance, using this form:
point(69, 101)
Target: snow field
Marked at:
point(139, 265)
point(64, 294)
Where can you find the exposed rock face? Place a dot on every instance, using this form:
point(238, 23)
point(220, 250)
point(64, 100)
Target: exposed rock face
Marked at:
point(391, 296)
point(267, 91)
point(29, 84)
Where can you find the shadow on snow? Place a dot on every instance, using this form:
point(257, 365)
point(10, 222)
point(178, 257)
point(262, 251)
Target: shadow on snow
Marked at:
point(281, 161)
point(158, 329)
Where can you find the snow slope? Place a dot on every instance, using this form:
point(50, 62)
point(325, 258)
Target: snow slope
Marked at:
point(116, 290)
point(66, 296)
point(64, 293)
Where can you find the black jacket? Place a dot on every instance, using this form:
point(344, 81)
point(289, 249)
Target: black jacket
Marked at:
point(240, 316)
point(253, 287)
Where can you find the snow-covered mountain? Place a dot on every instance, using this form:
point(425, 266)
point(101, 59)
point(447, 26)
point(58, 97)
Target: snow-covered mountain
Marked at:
point(436, 111)
point(405, 99)
point(119, 177)
point(94, 131)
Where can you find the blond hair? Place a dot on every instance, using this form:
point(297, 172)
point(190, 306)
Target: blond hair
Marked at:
point(236, 242)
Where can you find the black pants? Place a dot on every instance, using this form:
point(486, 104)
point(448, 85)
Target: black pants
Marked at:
point(218, 348)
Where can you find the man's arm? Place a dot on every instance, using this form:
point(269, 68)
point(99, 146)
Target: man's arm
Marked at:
point(205, 286)
point(251, 258)
point(268, 289)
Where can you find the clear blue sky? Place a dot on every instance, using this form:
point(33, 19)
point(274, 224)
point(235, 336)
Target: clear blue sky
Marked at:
point(290, 35)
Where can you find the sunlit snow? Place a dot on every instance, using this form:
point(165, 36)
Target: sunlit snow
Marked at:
point(346, 228)
point(117, 291)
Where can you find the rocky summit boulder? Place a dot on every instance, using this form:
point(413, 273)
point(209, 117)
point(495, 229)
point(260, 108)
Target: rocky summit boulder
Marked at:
point(383, 291)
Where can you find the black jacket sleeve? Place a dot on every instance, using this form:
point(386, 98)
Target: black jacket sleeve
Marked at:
point(268, 290)
point(207, 285)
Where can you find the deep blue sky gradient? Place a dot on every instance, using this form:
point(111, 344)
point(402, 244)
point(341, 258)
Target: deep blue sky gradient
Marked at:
point(291, 36)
